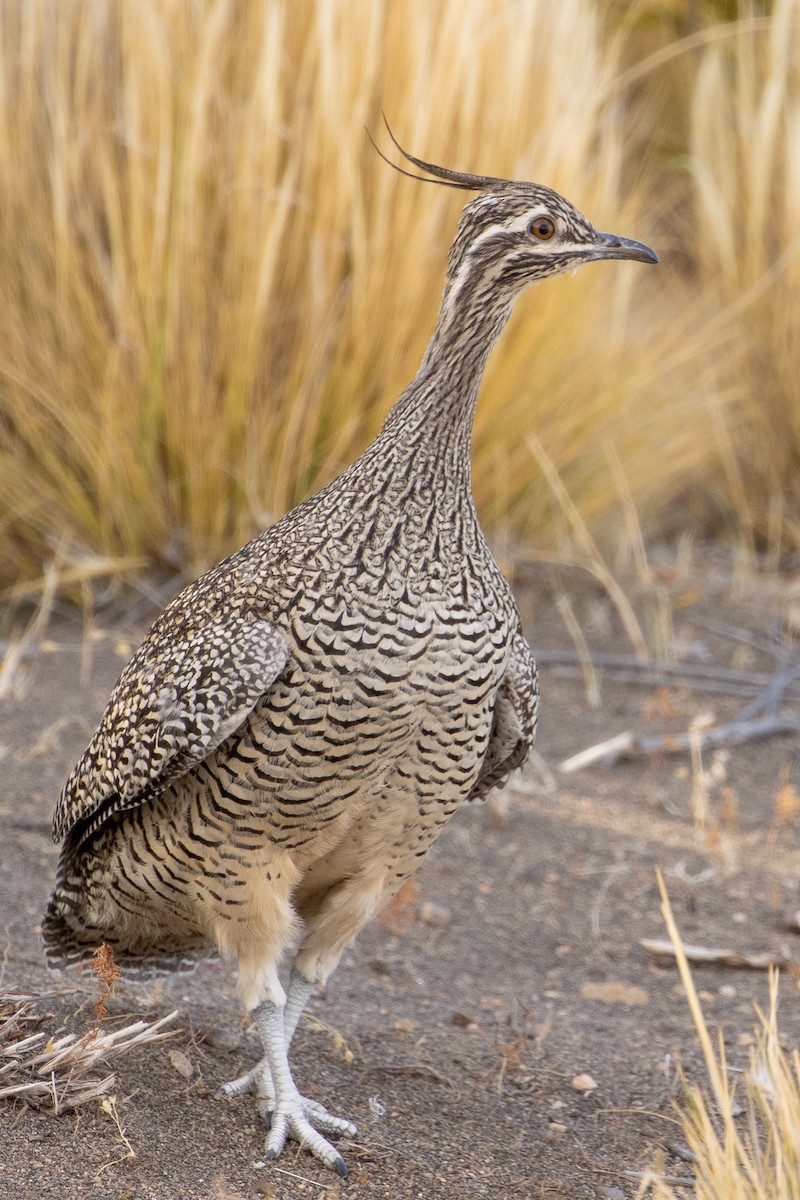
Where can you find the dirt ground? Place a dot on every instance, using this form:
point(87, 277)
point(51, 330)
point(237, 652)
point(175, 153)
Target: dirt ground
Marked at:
point(471, 1006)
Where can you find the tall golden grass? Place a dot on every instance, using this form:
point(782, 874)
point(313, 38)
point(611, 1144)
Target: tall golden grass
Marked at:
point(211, 288)
point(745, 1139)
point(745, 168)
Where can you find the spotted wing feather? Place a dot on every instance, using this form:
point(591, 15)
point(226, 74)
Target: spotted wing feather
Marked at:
point(183, 692)
point(514, 724)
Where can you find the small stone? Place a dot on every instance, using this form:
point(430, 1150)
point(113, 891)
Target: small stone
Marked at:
point(462, 1021)
point(221, 1037)
point(434, 914)
point(404, 1025)
point(728, 991)
point(555, 1131)
point(181, 1063)
point(584, 1083)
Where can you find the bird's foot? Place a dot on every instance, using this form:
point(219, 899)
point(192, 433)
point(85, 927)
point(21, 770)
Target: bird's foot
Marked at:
point(298, 1117)
point(257, 1082)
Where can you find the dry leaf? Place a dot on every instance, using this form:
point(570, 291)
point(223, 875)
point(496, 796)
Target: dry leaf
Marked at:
point(181, 1063)
point(399, 912)
point(787, 804)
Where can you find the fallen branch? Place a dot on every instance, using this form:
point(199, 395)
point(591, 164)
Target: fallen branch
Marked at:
point(718, 957)
point(627, 669)
point(629, 745)
point(651, 1177)
point(422, 1070)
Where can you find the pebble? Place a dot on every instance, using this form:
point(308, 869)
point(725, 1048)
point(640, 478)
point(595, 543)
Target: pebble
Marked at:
point(221, 1038)
point(434, 914)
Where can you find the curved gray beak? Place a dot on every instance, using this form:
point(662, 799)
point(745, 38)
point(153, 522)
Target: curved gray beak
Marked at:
point(609, 245)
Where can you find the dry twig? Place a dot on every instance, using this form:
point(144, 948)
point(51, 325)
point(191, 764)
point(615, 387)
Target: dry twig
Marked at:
point(62, 1071)
point(719, 957)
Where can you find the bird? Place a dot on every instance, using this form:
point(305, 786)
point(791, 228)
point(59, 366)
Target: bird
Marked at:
point(301, 721)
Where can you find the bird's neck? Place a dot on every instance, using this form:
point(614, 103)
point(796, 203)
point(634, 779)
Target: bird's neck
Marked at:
point(427, 435)
point(405, 506)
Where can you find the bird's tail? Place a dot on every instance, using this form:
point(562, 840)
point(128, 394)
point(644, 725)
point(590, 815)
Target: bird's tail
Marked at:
point(73, 928)
point(68, 943)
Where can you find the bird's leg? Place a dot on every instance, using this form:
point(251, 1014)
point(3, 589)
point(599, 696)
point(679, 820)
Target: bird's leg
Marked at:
point(258, 1080)
point(288, 1113)
point(293, 1114)
point(297, 998)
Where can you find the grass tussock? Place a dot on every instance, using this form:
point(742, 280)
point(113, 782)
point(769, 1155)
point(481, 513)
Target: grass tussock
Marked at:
point(745, 1139)
point(211, 288)
point(745, 169)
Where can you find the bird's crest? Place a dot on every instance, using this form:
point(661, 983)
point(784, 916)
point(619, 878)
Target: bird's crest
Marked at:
point(434, 173)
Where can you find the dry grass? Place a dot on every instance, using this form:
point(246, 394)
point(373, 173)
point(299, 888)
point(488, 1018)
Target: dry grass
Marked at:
point(211, 288)
point(745, 1140)
point(59, 1069)
point(745, 167)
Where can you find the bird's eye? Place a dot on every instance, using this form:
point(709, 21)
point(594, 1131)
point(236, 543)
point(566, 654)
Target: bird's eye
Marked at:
point(542, 228)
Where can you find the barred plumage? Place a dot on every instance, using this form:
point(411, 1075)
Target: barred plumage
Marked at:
point(301, 722)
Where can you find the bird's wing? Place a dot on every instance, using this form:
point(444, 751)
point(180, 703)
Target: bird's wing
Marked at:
point(514, 723)
point(184, 691)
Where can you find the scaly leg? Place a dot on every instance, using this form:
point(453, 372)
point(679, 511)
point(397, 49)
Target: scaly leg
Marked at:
point(260, 1080)
point(292, 1111)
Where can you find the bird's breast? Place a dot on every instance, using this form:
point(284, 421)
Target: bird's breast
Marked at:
point(368, 691)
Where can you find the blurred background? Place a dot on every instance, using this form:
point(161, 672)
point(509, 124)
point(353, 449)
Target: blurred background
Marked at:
point(212, 288)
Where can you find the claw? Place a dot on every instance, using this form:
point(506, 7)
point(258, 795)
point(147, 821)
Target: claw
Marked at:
point(291, 1115)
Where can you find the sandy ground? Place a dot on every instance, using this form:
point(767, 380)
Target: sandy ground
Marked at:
point(468, 1009)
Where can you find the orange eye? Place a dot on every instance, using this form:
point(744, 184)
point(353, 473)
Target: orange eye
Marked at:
point(542, 228)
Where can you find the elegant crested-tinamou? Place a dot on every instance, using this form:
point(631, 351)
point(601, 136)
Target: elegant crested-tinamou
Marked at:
point(301, 722)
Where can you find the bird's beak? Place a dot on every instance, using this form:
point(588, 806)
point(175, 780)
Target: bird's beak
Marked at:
point(609, 245)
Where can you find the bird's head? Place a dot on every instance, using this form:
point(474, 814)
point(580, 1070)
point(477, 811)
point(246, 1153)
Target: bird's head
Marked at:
point(519, 233)
point(514, 234)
